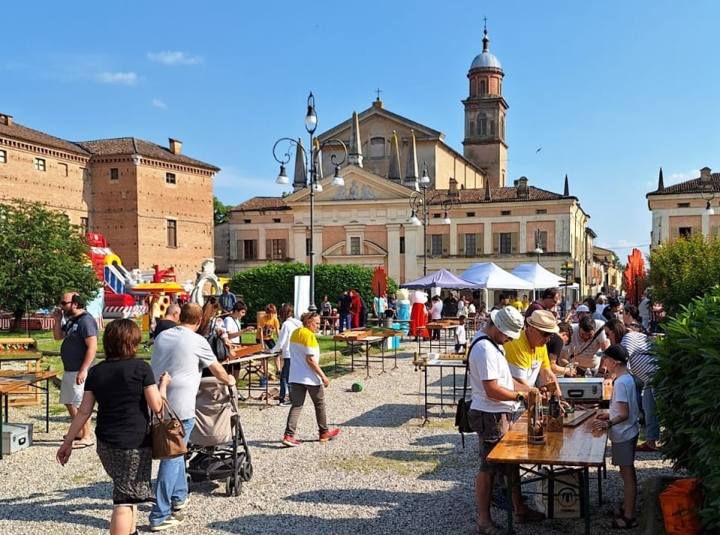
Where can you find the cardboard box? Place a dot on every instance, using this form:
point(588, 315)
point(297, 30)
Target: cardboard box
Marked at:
point(16, 437)
point(566, 494)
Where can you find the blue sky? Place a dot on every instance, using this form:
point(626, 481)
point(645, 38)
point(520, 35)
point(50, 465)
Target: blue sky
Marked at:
point(610, 90)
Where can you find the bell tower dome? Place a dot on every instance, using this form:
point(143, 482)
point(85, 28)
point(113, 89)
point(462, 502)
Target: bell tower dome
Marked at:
point(485, 110)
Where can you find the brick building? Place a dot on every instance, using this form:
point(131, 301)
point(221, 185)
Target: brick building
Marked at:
point(153, 203)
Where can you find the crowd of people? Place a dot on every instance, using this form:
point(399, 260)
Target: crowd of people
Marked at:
point(522, 346)
point(516, 354)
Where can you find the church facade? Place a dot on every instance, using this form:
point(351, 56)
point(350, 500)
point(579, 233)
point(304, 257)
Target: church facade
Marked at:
point(473, 214)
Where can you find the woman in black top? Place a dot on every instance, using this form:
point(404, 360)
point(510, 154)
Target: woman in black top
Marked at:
point(124, 388)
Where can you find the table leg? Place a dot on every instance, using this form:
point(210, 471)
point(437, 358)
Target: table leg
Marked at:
point(509, 504)
point(426, 396)
point(599, 476)
point(454, 385)
point(442, 411)
point(335, 354)
point(47, 406)
point(266, 373)
point(2, 417)
point(382, 355)
point(395, 355)
point(551, 492)
point(352, 356)
point(367, 360)
point(585, 502)
point(7, 410)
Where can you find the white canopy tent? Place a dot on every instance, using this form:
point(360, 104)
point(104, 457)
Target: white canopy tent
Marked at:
point(492, 277)
point(538, 276)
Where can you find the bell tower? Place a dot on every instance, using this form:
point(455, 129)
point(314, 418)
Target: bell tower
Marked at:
point(485, 110)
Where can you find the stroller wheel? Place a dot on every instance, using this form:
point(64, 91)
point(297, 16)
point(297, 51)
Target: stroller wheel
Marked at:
point(246, 471)
point(231, 489)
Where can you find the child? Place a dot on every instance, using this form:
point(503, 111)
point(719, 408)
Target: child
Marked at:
point(460, 336)
point(622, 423)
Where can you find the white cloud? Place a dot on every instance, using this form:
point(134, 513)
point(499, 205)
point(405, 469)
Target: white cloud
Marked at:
point(156, 102)
point(682, 176)
point(117, 78)
point(169, 57)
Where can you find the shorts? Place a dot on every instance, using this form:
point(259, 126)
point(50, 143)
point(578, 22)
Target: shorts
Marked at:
point(490, 427)
point(71, 393)
point(130, 473)
point(623, 453)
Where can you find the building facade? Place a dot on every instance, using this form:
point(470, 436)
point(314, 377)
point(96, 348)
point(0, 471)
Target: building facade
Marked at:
point(685, 209)
point(367, 221)
point(153, 204)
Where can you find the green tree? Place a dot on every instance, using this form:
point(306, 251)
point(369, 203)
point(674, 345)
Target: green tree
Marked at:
point(682, 270)
point(43, 255)
point(688, 406)
point(221, 212)
point(275, 283)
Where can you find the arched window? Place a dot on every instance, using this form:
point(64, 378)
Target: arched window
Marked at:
point(492, 127)
point(377, 147)
point(481, 124)
point(483, 87)
point(472, 87)
point(502, 127)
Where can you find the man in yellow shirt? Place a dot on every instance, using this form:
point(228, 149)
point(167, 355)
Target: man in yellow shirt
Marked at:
point(528, 356)
point(518, 304)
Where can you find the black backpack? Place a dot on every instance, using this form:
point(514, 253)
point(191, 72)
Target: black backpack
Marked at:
point(217, 344)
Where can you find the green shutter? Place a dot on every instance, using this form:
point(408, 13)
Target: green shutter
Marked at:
point(445, 244)
point(461, 244)
point(514, 242)
point(479, 245)
point(496, 242)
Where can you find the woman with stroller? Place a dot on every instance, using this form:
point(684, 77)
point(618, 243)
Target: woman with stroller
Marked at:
point(306, 377)
point(124, 388)
point(290, 323)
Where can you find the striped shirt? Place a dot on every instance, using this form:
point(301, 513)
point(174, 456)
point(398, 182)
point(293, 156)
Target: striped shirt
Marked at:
point(642, 363)
point(303, 343)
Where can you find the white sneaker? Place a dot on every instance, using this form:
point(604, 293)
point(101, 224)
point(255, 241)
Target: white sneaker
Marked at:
point(170, 522)
point(179, 506)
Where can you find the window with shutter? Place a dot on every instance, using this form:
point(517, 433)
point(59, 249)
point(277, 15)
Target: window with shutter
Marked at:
point(445, 245)
point(436, 245)
point(479, 244)
point(461, 244)
point(496, 242)
point(471, 244)
point(505, 243)
point(514, 242)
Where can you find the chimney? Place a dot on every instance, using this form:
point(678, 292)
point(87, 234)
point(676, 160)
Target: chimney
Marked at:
point(7, 120)
point(175, 145)
point(522, 188)
point(705, 174)
point(453, 188)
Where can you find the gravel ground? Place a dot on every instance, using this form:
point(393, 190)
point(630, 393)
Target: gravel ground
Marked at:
point(386, 473)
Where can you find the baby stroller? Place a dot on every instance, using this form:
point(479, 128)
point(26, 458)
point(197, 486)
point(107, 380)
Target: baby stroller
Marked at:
point(217, 449)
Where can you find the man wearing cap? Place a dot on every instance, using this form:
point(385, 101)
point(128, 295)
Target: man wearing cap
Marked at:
point(581, 311)
point(528, 355)
point(495, 397)
point(587, 340)
point(551, 298)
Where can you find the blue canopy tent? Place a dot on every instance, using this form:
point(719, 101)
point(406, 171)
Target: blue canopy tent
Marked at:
point(440, 279)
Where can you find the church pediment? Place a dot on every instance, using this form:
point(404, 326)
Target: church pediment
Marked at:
point(360, 185)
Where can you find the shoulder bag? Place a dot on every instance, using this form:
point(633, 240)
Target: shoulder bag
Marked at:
point(167, 434)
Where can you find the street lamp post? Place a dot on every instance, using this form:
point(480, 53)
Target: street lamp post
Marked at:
point(567, 268)
point(312, 156)
point(419, 205)
point(538, 244)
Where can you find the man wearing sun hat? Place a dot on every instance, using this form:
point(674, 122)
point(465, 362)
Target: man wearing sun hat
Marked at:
point(495, 397)
point(528, 356)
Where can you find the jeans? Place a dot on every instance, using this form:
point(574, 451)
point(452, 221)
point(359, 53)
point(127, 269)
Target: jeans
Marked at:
point(284, 378)
point(652, 426)
point(171, 486)
point(345, 321)
point(297, 397)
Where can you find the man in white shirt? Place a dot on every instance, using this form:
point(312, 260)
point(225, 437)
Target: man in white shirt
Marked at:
point(436, 314)
point(495, 396)
point(233, 322)
point(587, 342)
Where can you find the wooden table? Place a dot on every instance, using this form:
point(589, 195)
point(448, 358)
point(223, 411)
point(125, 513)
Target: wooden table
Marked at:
point(10, 381)
point(256, 364)
point(575, 446)
point(367, 337)
point(444, 326)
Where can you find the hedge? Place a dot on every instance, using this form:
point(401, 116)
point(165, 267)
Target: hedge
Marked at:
point(274, 283)
point(686, 391)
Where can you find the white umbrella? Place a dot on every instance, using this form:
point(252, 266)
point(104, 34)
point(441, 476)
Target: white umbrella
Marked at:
point(538, 276)
point(492, 277)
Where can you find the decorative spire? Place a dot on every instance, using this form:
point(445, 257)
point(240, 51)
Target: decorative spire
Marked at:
point(394, 166)
point(488, 197)
point(355, 156)
point(300, 177)
point(566, 190)
point(411, 170)
point(486, 39)
point(661, 183)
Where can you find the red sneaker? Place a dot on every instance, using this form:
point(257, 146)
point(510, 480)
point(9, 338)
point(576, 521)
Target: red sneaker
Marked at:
point(329, 435)
point(290, 441)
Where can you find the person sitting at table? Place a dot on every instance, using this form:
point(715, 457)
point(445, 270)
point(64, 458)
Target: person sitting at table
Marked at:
point(622, 423)
point(557, 353)
point(528, 355)
point(495, 397)
point(587, 340)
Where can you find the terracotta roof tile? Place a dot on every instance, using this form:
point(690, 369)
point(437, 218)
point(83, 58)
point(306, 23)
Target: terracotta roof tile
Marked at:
point(24, 133)
point(691, 186)
point(504, 194)
point(130, 145)
point(262, 203)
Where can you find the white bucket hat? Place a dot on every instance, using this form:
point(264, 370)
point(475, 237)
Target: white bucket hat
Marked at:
point(508, 321)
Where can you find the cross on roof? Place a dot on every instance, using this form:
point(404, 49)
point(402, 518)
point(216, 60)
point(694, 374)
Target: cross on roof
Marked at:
point(378, 91)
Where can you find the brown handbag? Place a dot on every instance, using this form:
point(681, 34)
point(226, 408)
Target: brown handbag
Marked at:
point(167, 434)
